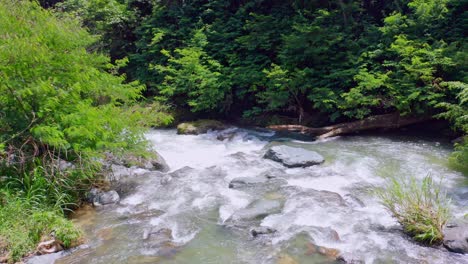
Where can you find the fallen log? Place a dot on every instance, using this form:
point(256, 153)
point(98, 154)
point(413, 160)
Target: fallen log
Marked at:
point(386, 121)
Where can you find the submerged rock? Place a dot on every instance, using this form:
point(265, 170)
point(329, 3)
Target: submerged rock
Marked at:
point(182, 172)
point(286, 259)
point(331, 253)
point(161, 241)
point(160, 235)
point(262, 230)
point(246, 181)
point(258, 210)
point(354, 201)
point(293, 157)
point(199, 127)
point(456, 237)
point(274, 173)
point(227, 135)
point(144, 214)
point(305, 247)
point(53, 257)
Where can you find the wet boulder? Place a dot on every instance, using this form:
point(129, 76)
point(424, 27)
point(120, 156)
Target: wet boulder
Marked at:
point(293, 157)
point(159, 163)
point(258, 210)
point(154, 161)
point(99, 197)
point(199, 127)
point(456, 237)
point(227, 135)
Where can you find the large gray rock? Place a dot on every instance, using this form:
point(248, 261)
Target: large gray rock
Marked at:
point(159, 163)
point(293, 157)
point(154, 162)
point(99, 197)
point(258, 210)
point(456, 237)
point(199, 127)
point(259, 181)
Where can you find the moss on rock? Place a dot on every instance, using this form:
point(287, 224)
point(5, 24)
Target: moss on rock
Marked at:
point(199, 127)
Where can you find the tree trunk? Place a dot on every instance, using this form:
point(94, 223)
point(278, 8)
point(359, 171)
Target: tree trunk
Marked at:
point(388, 121)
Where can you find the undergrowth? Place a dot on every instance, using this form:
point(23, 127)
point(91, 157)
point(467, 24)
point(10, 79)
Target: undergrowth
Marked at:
point(23, 225)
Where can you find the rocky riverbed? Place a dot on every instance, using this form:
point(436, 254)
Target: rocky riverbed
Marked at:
point(248, 196)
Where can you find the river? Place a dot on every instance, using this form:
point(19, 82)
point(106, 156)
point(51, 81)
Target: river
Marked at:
point(187, 215)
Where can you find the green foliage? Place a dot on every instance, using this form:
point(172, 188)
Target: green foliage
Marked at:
point(59, 104)
point(191, 73)
point(22, 226)
point(421, 208)
point(61, 110)
point(459, 158)
point(150, 114)
point(457, 113)
point(110, 19)
point(342, 60)
point(52, 89)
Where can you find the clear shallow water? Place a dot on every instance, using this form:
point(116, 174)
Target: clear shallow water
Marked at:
point(330, 205)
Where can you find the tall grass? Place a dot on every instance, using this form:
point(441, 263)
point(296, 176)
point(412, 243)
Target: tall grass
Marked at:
point(24, 223)
point(422, 208)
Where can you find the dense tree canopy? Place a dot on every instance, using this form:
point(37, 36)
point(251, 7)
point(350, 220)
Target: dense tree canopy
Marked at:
point(344, 59)
point(335, 60)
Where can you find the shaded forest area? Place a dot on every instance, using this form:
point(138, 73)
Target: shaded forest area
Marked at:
point(316, 62)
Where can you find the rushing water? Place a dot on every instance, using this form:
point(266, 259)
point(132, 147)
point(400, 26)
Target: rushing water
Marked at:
point(190, 210)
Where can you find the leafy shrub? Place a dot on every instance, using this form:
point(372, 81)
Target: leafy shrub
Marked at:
point(421, 208)
point(457, 113)
point(61, 110)
point(459, 158)
point(60, 103)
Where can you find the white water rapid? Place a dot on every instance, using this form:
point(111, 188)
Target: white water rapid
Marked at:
point(190, 215)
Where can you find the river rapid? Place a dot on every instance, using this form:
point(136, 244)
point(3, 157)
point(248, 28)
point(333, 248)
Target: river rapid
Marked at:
point(189, 214)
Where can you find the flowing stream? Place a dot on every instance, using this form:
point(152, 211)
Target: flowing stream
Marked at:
point(188, 214)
